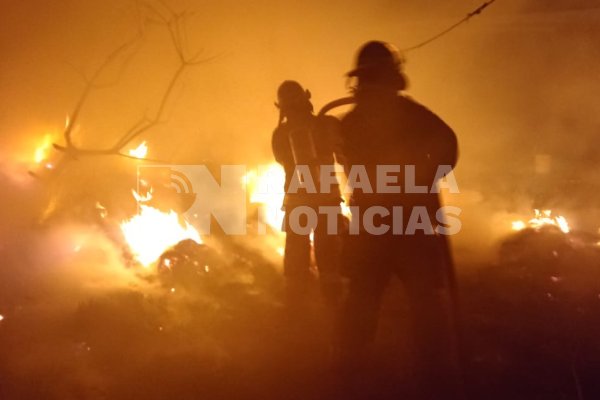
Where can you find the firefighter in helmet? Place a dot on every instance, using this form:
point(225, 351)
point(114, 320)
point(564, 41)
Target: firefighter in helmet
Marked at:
point(386, 127)
point(302, 139)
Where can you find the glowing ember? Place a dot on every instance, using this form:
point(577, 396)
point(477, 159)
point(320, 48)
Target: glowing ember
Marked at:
point(42, 151)
point(152, 231)
point(139, 152)
point(1, 317)
point(543, 218)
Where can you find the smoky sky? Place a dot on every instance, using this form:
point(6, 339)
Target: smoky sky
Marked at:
point(516, 81)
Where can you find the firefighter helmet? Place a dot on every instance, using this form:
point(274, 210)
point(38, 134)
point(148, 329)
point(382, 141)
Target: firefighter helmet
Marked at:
point(291, 95)
point(379, 62)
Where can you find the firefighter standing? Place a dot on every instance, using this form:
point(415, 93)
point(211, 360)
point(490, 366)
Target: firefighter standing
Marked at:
point(303, 139)
point(388, 128)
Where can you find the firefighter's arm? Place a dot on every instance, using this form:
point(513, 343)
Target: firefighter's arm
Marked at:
point(445, 146)
point(346, 125)
point(334, 142)
point(280, 146)
point(442, 143)
point(337, 142)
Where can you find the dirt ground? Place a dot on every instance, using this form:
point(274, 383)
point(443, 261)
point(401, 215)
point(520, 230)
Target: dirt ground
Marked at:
point(229, 335)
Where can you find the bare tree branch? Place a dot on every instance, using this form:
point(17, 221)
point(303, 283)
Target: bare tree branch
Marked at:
point(90, 86)
point(174, 23)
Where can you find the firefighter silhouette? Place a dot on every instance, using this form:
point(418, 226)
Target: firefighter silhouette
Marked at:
point(386, 127)
point(301, 138)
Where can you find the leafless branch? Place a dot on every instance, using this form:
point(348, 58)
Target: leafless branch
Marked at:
point(90, 85)
point(174, 23)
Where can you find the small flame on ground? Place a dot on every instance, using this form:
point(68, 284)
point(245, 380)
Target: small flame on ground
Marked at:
point(42, 151)
point(139, 152)
point(102, 211)
point(346, 210)
point(266, 187)
point(518, 225)
point(142, 198)
point(151, 232)
point(543, 218)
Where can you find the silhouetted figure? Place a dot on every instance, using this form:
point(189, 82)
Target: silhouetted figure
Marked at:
point(388, 128)
point(303, 139)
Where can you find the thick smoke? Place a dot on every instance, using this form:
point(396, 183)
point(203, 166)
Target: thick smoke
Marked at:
point(518, 84)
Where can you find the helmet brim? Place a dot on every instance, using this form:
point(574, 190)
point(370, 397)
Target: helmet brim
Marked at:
point(362, 69)
point(354, 72)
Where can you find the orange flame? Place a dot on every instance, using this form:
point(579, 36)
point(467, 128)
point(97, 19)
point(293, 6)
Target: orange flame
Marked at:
point(266, 188)
point(151, 232)
point(43, 150)
point(543, 218)
point(139, 152)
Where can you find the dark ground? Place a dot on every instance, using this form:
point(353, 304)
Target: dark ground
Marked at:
point(530, 331)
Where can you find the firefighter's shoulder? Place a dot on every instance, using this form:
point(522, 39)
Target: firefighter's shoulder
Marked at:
point(414, 108)
point(328, 122)
point(281, 129)
point(408, 102)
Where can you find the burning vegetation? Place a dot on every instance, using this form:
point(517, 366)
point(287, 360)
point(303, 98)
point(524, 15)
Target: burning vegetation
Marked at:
point(542, 219)
point(109, 288)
